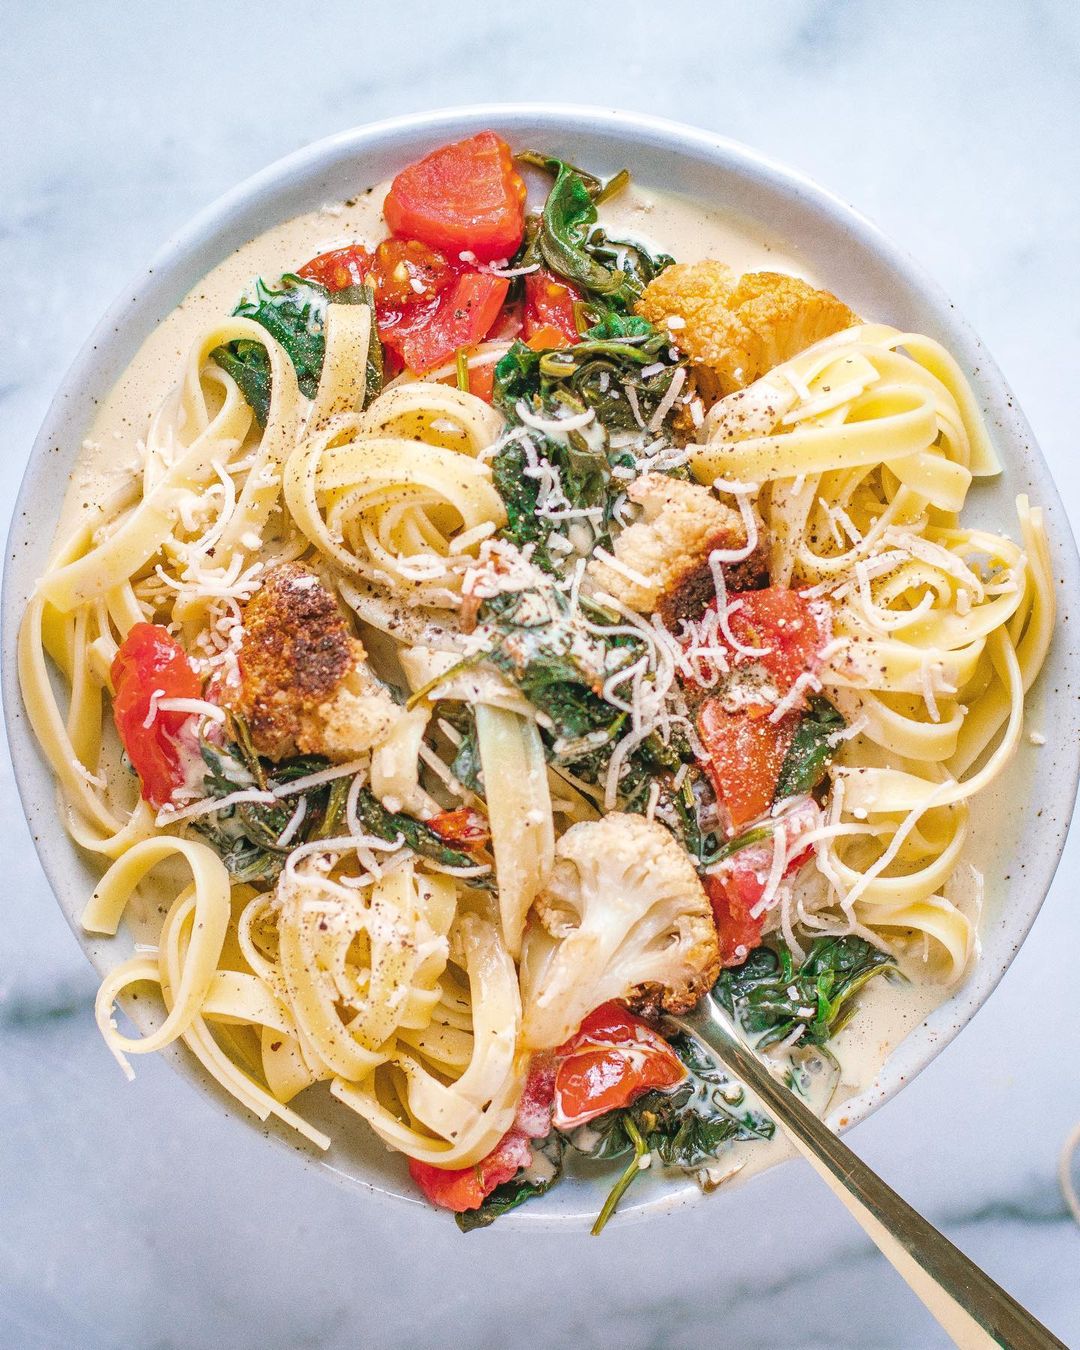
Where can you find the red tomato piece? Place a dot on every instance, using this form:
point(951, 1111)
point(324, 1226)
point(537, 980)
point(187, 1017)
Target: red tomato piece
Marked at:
point(465, 827)
point(612, 1059)
point(737, 887)
point(609, 1024)
point(467, 1187)
point(149, 663)
point(407, 278)
point(732, 900)
point(462, 316)
point(406, 273)
point(462, 198)
point(508, 324)
point(745, 752)
point(789, 628)
point(340, 268)
point(549, 303)
point(482, 381)
point(546, 338)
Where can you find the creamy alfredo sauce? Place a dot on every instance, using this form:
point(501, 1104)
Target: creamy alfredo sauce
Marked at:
point(887, 1011)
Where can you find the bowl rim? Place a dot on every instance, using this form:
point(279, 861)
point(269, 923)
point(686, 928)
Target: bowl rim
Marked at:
point(180, 247)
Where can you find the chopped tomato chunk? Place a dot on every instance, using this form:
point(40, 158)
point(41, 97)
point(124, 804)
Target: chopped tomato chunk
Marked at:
point(547, 338)
point(463, 1188)
point(613, 1058)
point(426, 305)
point(465, 827)
point(744, 750)
point(482, 381)
point(406, 273)
point(737, 932)
point(788, 629)
point(549, 304)
point(340, 268)
point(461, 316)
point(151, 665)
point(738, 886)
point(508, 324)
point(463, 198)
point(744, 755)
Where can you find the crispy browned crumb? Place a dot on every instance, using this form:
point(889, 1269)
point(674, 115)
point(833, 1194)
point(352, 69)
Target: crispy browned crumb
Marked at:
point(690, 594)
point(305, 686)
point(651, 1000)
point(736, 330)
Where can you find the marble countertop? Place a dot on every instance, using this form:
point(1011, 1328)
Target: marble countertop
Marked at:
point(133, 1215)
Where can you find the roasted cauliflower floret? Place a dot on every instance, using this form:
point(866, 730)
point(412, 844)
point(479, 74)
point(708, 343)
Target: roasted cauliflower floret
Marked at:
point(681, 524)
point(623, 915)
point(305, 686)
point(736, 330)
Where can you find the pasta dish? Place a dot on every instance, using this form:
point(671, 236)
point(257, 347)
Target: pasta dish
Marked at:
point(505, 633)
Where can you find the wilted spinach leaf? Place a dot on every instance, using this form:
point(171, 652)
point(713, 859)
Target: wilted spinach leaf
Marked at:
point(249, 365)
point(421, 838)
point(246, 834)
point(295, 314)
point(822, 988)
point(684, 1127)
point(569, 242)
point(811, 750)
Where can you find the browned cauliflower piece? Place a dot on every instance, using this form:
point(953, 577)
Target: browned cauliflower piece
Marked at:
point(735, 331)
point(680, 525)
point(622, 915)
point(305, 686)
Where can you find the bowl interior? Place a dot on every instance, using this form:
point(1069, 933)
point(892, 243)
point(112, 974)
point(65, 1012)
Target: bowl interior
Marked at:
point(1018, 850)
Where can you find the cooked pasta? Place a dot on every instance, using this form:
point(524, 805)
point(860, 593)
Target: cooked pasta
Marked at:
point(441, 706)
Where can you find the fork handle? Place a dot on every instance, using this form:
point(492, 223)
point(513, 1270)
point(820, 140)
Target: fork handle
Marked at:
point(968, 1304)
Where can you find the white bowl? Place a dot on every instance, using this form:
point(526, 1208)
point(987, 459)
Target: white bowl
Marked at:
point(1018, 849)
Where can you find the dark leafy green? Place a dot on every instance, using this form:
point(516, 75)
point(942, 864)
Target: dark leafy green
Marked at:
point(559, 667)
point(566, 220)
point(584, 472)
point(822, 989)
point(245, 835)
point(568, 240)
point(604, 372)
point(295, 314)
point(421, 838)
point(249, 365)
point(685, 1127)
point(811, 750)
point(637, 264)
point(516, 1191)
point(594, 373)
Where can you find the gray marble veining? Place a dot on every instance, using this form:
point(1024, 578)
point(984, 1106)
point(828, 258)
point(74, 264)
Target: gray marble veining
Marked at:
point(136, 1216)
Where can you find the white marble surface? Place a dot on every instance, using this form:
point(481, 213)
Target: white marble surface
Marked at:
point(133, 1215)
